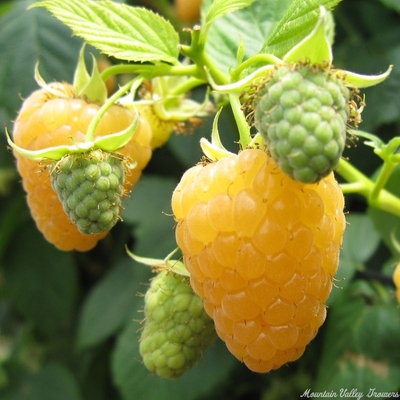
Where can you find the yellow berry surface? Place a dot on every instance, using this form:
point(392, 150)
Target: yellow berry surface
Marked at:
point(262, 250)
point(45, 122)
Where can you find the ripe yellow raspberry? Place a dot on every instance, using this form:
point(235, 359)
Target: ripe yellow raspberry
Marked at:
point(396, 280)
point(262, 250)
point(45, 121)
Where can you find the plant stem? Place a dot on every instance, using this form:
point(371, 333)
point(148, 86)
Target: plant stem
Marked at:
point(198, 55)
point(383, 177)
point(104, 108)
point(361, 184)
point(257, 59)
point(241, 122)
point(186, 86)
point(151, 71)
point(354, 176)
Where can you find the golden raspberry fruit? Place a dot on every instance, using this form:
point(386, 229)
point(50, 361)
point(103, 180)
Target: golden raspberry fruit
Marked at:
point(261, 250)
point(46, 120)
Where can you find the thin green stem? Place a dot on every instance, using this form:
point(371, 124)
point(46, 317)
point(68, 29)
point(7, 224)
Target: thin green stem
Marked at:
point(361, 184)
point(348, 188)
point(386, 201)
point(151, 71)
point(383, 177)
point(241, 122)
point(196, 52)
point(186, 86)
point(354, 176)
point(218, 76)
point(257, 59)
point(104, 108)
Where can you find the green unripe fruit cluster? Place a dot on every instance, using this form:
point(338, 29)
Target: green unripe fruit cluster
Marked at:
point(177, 329)
point(302, 112)
point(90, 187)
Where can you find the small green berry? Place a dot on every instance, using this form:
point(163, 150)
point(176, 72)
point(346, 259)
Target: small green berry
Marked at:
point(302, 112)
point(90, 187)
point(177, 329)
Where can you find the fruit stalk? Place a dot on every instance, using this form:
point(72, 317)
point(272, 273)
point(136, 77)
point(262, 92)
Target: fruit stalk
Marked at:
point(241, 122)
point(361, 184)
point(198, 55)
point(104, 108)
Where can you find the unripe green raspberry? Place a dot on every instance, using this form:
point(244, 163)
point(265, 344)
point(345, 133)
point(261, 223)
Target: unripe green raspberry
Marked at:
point(302, 112)
point(177, 328)
point(90, 186)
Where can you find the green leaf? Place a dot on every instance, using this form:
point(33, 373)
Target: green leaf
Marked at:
point(252, 25)
point(360, 239)
point(148, 209)
point(371, 50)
point(360, 242)
point(40, 280)
point(385, 328)
point(314, 48)
point(392, 4)
point(385, 223)
point(110, 303)
point(219, 8)
point(134, 381)
point(53, 381)
point(359, 345)
point(5, 7)
point(298, 21)
point(13, 215)
point(118, 30)
point(25, 36)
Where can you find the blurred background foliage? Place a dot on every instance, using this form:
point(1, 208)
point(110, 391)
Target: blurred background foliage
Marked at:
point(69, 321)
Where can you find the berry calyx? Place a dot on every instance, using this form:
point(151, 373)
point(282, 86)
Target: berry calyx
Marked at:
point(261, 250)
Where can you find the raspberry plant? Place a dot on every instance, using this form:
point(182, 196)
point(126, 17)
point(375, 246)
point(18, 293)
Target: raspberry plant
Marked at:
point(246, 143)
